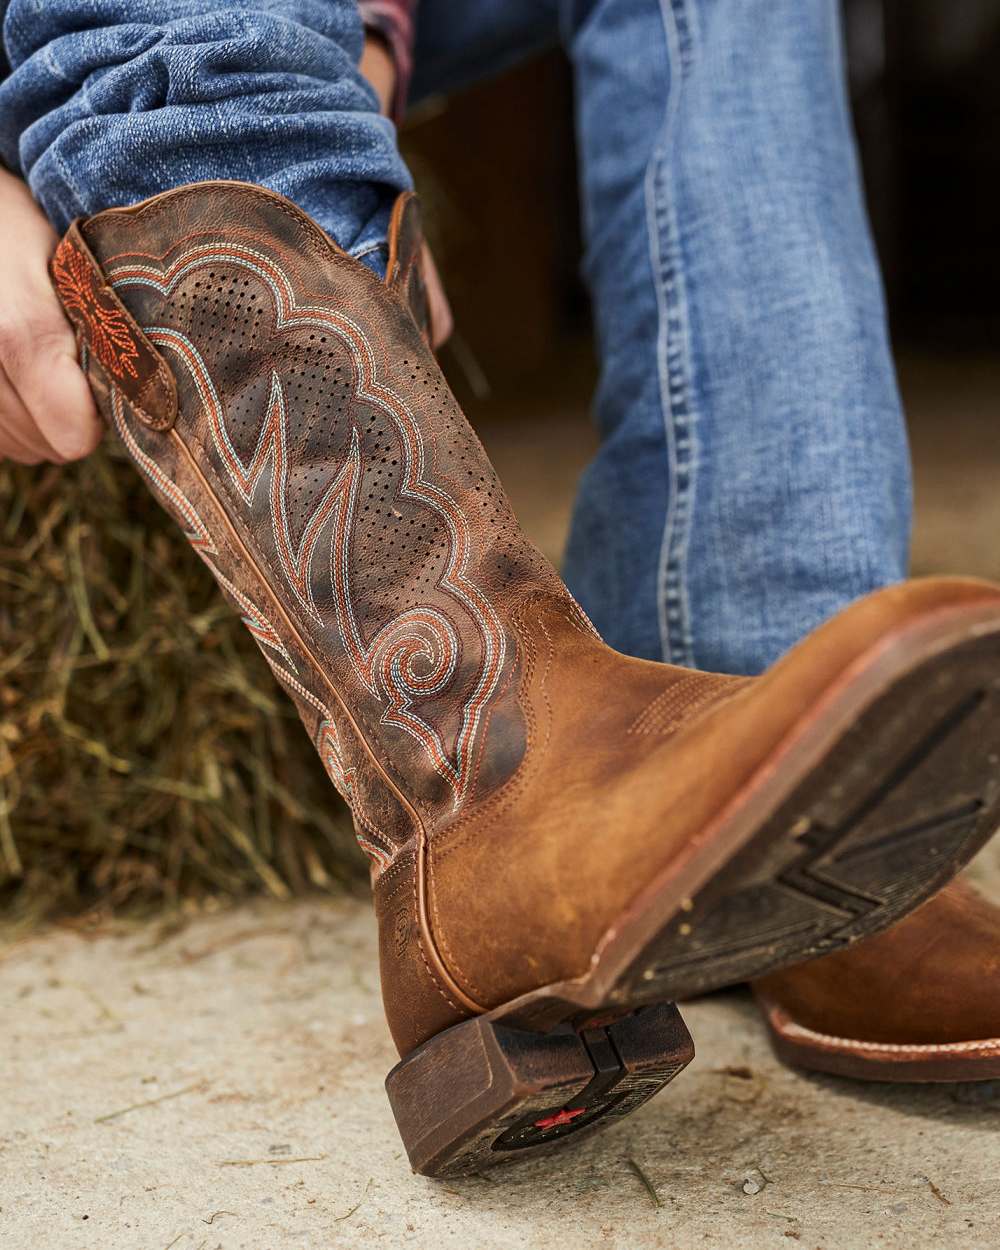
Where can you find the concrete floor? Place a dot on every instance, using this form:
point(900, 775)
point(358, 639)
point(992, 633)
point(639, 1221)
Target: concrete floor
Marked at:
point(219, 1088)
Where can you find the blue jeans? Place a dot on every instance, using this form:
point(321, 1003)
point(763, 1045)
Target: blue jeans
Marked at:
point(753, 473)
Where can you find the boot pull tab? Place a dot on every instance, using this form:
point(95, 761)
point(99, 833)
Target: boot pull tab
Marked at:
point(111, 334)
point(404, 272)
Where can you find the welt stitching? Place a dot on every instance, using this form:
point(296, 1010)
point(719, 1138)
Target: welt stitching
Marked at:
point(791, 1029)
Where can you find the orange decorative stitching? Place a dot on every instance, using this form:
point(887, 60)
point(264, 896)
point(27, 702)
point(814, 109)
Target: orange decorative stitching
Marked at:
point(110, 338)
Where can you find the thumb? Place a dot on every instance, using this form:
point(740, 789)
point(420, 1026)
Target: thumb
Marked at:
point(53, 388)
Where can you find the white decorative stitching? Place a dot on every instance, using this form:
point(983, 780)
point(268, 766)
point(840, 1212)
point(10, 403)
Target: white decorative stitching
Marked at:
point(788, 1028)
point(388, 661)
point(327, 743)
point(327, 734)
point(197, 532)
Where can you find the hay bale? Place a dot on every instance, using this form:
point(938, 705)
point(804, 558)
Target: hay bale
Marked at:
point(146, 754)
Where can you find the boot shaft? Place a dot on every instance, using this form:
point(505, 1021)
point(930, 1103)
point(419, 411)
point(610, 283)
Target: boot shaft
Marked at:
point(285, 407)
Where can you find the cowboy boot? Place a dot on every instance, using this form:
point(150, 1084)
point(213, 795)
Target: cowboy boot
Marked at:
point(919, 1002)
point(562, 840)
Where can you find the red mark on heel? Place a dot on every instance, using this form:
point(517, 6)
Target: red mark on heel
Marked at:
point(566, 1116)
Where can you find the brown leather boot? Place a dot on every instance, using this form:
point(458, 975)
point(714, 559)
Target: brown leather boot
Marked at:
point(920, 1002)
point(563, 840)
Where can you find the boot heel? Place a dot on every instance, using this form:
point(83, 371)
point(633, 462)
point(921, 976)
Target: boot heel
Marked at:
point(482, 1093)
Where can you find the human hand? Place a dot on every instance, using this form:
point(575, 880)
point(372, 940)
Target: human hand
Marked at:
point(46, 408)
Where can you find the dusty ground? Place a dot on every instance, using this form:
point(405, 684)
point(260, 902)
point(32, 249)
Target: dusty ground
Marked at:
point(219, 1088)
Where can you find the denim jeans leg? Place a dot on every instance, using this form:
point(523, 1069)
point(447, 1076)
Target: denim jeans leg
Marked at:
point(113, 100)
point(753, 475)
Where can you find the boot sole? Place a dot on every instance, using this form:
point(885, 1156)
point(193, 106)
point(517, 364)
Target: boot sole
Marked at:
point(873, 802)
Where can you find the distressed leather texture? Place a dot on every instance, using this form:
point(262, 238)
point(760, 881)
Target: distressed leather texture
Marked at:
point(513, 781)
point(932, 979)
point(113, 338)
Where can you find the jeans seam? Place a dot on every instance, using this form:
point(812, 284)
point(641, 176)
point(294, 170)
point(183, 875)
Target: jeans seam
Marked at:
point(673, 361)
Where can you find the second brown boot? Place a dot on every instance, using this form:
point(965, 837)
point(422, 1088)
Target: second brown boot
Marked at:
point(919, 1002)
point(563, 840)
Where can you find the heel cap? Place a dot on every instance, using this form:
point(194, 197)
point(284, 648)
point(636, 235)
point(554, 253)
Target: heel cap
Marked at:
point(482, 1093)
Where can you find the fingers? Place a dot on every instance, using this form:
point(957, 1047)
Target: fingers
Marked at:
point(55, 393)
point(20, 439)
point(45, 405)
point(46, 409)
